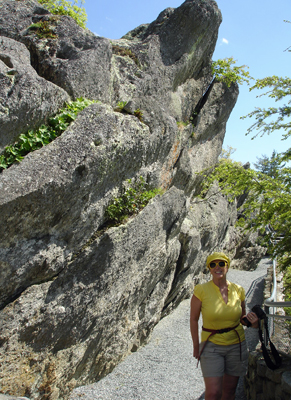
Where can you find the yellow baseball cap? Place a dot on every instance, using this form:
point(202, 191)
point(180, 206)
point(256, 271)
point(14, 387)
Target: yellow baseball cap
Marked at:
point(217, 256)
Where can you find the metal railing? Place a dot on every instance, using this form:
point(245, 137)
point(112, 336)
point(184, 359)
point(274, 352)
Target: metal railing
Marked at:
point(270, 304)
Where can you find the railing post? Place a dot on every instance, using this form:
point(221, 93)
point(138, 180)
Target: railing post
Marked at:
point(267, 311)
point(273, 299)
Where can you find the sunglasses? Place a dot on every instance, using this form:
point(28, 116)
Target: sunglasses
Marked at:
point(220, 263)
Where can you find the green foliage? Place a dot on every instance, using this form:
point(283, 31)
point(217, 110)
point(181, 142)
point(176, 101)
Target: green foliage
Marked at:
point(287, 291)
point(224, 70)
point(269, 166)
point(182, 124)
point(44, 29)
point(121, 105)
point(268, 188)
point(63, 7)
point(267, 204)
point(279, 89)
point(133, 199)
point(139, 114)
point(125, 52)
point(226, 153)
point(35, 139)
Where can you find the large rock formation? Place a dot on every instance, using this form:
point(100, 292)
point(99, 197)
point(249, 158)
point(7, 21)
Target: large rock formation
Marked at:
point(26, 98)
point(76, 298)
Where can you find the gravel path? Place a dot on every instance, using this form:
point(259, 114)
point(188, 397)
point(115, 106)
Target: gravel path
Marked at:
point(164, 369)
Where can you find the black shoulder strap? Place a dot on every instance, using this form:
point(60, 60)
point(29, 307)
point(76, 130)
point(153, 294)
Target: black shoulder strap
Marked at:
point(276, 356)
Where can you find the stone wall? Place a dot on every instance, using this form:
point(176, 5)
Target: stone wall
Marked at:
point(261, 383)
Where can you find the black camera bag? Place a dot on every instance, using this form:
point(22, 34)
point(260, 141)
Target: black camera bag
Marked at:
point(276, 356)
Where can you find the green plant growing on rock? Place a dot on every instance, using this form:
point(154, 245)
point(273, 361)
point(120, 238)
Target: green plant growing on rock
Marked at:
point(64, 7)
point(125, 52)
point(224, 70)
point(43, 29)
point(120, 106)
point(34, 139)
point(139, 114)
point(182, 124)
point(132, 200)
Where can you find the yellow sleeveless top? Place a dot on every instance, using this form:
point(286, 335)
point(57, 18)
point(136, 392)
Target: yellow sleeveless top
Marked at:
point(218, 315)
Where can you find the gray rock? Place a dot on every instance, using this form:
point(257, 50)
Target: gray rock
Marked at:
point(166, 55)
point(7, 397)
point(204, 229)
point(26, 100)
point(247, 251)
point(74, 59)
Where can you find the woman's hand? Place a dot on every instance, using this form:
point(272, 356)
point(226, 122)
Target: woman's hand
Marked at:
point(253, 318)
point(196, 352)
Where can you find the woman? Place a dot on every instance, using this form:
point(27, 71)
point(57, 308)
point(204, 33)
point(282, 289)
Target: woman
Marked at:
point(222, 353)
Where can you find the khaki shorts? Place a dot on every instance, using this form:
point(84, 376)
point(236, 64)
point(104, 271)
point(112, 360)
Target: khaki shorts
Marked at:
point(217, 360)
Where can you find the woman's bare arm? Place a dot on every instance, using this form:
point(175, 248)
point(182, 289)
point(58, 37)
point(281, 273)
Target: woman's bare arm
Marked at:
point(194, 317)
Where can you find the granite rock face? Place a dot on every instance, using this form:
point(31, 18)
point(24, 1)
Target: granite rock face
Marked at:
point(26, 99)
point(75, 297)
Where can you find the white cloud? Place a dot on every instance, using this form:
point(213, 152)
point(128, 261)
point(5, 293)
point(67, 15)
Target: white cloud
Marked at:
point(224, 41)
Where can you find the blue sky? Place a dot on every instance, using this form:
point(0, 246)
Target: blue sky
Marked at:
point(253, 32)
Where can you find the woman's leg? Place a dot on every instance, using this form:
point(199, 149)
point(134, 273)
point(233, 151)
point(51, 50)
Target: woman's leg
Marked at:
point(236, 364)
point(229, 386)
point(213, 387)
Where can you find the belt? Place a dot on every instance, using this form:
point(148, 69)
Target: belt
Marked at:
point(214, 332)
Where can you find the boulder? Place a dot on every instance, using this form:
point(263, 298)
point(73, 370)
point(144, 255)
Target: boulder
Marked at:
point(77, 295)
point(248, 252)
point(27, 100)
point(167, 54)
point(69, 56)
